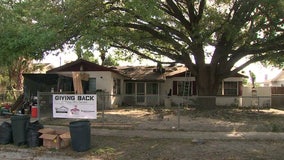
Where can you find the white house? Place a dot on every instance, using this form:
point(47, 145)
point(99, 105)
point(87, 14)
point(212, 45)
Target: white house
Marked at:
point(278, 81)
point(139, 85)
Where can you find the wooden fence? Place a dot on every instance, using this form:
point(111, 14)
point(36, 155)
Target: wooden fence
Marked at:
point(277, 97)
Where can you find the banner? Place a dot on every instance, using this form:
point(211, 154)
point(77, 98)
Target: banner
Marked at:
point(75, 106)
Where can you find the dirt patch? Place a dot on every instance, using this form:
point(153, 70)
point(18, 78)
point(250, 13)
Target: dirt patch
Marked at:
point(215, 120)
point(168, 149)
point(121, 148)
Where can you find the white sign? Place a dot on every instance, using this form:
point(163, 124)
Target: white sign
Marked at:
point(75, 106)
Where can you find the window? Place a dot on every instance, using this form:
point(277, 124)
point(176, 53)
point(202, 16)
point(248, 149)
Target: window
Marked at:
point(116, 86)
point(92, 84)
point(152, 88)
point(231, 88)
point(130, 88)
point(228, 89)
point(118, 89)
point(182, 88)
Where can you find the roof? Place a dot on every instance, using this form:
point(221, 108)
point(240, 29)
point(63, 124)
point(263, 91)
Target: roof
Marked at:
point(137, 73)
point(145, 73)
point(80, 65)
point(279, 77)
point(149, 73)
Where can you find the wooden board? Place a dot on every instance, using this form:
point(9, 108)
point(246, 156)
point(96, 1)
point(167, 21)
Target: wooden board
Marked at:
point(77, 82)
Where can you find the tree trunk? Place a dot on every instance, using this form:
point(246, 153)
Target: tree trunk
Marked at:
point(20, 80)
point(207, 82)
point(207, 86)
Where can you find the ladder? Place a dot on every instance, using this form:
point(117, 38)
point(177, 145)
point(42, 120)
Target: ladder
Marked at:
point(186, 87)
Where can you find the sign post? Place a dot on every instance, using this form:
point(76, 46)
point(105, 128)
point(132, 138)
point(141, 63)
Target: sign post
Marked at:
point(75, 106)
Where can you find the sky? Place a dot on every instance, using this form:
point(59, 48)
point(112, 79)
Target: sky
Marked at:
point(262, 73)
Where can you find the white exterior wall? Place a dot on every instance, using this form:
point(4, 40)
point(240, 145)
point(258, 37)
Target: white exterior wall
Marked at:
point(228, 101)
point(278, 81)
point(262, 98)
point(165, 88)
point(233, 79)
point(104, 82)
point(116, 100)
point(220, 100)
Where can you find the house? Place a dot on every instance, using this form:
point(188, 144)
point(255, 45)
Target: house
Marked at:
point(132, 85)
point(278, 81)
point(277, 90)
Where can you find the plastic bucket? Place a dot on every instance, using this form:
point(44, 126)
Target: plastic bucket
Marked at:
point(19, 129)
point(80, 132)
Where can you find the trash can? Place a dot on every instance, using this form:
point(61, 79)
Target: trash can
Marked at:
point(19, 129)
point(34, 112)
point(6, 133)
point(80, 133)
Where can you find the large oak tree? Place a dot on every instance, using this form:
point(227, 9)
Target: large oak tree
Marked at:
point(181, 30)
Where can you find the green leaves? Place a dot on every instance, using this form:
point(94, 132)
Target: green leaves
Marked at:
point(178, 29)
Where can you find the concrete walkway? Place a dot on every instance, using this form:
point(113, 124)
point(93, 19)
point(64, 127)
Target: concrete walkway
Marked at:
point(184, 134)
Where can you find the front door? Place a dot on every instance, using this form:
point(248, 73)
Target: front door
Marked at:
point(140, 95)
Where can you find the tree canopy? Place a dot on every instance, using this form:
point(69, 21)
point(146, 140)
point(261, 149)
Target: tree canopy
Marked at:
point(182, 30)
